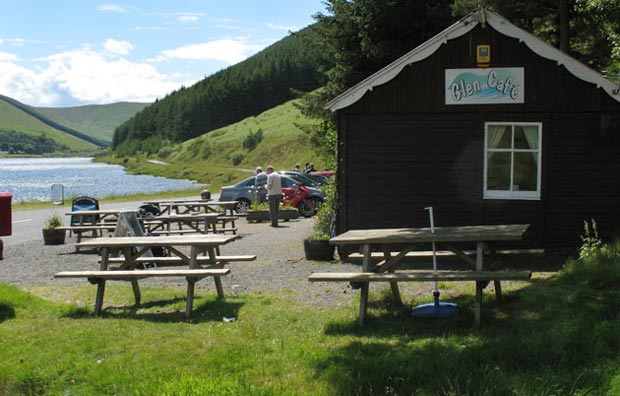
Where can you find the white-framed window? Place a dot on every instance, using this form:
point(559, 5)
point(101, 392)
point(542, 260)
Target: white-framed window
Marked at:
point(512, 160)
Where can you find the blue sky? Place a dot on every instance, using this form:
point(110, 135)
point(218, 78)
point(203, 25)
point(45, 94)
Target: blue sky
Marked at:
point(76, 52)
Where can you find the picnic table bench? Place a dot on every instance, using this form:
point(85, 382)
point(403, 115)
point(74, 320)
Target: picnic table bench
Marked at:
point(93, 222)
point(406, 239)
point(133, 248)
point(174, 260)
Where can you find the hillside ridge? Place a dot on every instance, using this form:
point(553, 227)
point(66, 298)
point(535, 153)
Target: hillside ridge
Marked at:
point(70, 131)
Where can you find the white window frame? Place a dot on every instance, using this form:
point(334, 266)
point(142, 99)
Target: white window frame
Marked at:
point(503, 194)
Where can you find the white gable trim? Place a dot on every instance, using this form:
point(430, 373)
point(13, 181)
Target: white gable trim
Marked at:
point(459, 29)
point(546, 51)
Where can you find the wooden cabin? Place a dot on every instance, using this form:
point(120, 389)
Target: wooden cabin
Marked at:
point(488, 125)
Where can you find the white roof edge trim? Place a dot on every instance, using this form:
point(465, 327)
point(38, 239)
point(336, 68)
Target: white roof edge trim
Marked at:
point(458, 29)
point(546, 51)
point(386, 74)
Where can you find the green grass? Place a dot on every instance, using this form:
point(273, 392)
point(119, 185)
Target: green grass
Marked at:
point(208, 158)
point(558, 335)
point(12, 118)
point(98, 121)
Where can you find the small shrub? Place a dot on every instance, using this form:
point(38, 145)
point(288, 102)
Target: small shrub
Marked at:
point(592, 244)
point(253, 139)
point(54, 221)
point(260, 206)
point(325, 224)
point(237, 157)
point(598, 265)
point(165, 152)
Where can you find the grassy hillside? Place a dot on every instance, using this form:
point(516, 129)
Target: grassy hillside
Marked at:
point(262, 81)
point(14, 119)
point(211, 157)
point(98, 121)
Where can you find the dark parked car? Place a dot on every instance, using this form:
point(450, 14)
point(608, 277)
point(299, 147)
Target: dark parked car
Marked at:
point(245, 192)
point(305, 179)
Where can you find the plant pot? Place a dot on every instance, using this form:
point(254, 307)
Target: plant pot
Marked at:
point(53, 237)
point(263, 215)
point(318, 250)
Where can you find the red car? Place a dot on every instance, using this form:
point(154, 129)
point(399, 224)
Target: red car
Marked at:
point(324, 173)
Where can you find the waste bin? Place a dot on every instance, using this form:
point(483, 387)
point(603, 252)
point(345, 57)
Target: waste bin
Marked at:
point(5, 213)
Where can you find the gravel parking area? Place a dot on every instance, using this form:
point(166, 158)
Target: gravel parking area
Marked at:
point(280, 265)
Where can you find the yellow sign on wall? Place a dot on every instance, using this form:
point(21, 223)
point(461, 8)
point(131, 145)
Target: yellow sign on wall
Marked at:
point(483, 55)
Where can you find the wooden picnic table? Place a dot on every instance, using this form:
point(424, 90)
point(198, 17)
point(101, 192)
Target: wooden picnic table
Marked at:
point(404, 240)
point(93, 217)
point(196, 222)
point(94, 222)
point(187, 206)
point(132, 248)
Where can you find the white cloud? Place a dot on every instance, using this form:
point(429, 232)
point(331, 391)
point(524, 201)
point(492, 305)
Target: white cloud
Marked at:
point(225, 50)
point(189, 17)
point(84, 76)
point(112, 8)
point(118, 47)
point(6, 57)
point(15, 42)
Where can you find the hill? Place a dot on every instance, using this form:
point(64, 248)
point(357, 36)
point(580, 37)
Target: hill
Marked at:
point(230, 153)
point(246, 89)
point(21, 131)
point(97, 121)
point(70, 130)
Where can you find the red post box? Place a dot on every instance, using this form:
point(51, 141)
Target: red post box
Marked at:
point(5, 213)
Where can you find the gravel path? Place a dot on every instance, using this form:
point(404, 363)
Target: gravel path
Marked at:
point(280, 265)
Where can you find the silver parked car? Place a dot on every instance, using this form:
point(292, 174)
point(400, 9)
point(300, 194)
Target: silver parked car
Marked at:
point(245, 192)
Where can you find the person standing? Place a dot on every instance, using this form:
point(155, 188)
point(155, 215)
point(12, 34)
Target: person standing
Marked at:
point(274, 194)
point(259, 183)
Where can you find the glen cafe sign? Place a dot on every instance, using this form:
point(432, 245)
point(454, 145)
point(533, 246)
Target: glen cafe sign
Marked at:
point(485, 86)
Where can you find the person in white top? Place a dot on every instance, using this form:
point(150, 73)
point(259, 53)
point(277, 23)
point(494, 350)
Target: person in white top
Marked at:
point(274, 194)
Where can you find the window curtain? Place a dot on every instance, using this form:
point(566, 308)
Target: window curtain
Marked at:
point(531, 135)
point(495, 133)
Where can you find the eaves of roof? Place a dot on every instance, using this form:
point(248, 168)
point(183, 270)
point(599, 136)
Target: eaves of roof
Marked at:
point(460, 28)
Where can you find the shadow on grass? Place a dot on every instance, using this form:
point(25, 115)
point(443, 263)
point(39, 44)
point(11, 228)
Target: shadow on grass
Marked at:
point(6, 312)
point(166, 311)
point(546, 338)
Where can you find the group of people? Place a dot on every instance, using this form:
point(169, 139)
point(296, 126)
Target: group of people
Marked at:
point(308, 167)
point(269, 188)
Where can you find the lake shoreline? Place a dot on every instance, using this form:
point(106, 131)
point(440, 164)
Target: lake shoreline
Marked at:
point(30, 179)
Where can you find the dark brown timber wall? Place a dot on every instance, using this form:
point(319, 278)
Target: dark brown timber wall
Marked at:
point(402, 149)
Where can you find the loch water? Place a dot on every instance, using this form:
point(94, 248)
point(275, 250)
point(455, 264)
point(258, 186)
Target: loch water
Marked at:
point(31, 179)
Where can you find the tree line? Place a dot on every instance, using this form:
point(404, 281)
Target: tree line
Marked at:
point(248, 88)
point(14, 142)
point(351, 40)
point(356, 38)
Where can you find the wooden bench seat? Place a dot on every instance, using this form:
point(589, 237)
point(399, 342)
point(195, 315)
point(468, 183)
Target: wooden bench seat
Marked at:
point(174, 232)
point(83, 228)
point(421, 276)
point(141, 274)
point(224, 230)
point(99, 278)
point(79, 230)
point(482, 278)
point(177, 260)
point(424, 253)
